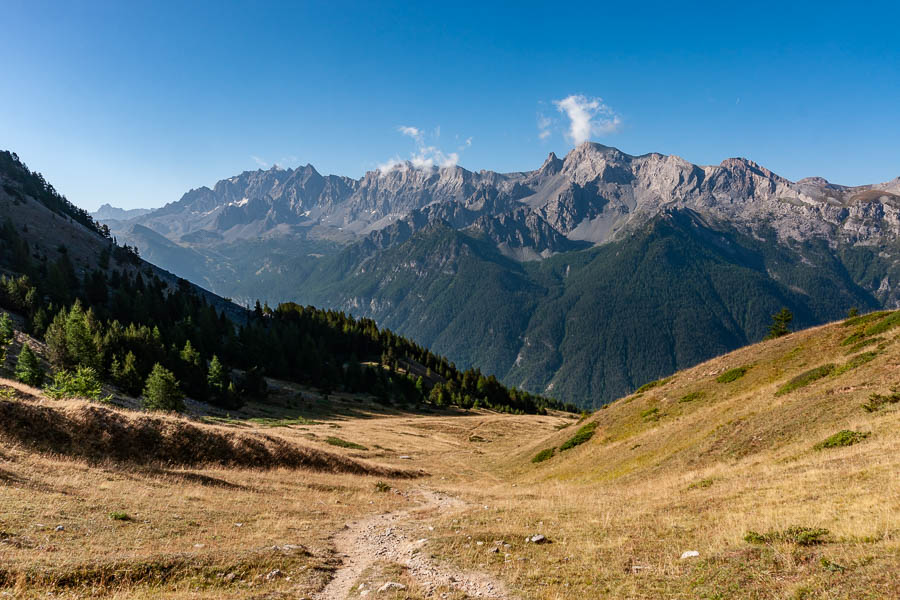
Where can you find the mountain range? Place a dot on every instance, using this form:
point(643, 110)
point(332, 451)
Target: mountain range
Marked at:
point(584, 278)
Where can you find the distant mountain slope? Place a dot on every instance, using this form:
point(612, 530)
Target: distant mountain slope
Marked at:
point(542, 275)
point(107, 212)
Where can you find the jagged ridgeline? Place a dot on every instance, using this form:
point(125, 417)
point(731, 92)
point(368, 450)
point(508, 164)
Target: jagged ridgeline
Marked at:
point(98, 306)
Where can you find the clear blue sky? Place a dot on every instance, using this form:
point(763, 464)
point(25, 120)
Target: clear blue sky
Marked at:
point(135, 103)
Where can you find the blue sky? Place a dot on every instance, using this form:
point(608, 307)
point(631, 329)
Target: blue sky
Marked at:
point(135, 103)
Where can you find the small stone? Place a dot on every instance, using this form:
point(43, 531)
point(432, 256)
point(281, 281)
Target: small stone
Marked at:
point(60, 528)
point(199, 545)
point(273, 574)
point(479, 543)
point(494, 550)
point(404, 457)
point(229, 577)
point(390, 586)
point(690, 554)
point(539, 539)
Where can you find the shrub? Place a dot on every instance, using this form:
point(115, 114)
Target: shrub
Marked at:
point(28, 367)
point(585, 433)
point(162, 392)
point(889, 322)
point(336, 441)
point(876, 401)
point(545, 454)
point(859, 359)
point(692, 396)
point(702, 484)
point(119, 516)
point(653, 384)
point(842, 438)
point(381, 486)
point(802, 536)
point(864, 319)
point(806, 378)
point(82, 383)
point(651, 414)
point(732, 374)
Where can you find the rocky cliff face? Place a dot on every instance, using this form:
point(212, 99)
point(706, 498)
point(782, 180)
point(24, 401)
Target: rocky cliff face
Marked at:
point(592, 195)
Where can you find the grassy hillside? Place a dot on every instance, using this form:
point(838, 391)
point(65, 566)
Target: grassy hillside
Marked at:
point(778, 463)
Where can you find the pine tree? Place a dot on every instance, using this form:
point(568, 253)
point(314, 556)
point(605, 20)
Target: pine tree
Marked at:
point(162, 392)
point(126, 374)
point(217, 378)
point(28, 367)
point(780, 324)
point(7, 332)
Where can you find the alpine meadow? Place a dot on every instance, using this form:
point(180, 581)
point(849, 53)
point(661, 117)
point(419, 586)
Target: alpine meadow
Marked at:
point(508, 339)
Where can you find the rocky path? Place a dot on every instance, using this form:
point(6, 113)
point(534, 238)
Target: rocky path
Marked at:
point(382, 537)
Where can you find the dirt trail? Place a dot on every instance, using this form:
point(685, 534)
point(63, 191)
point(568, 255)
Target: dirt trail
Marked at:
point(381, 537)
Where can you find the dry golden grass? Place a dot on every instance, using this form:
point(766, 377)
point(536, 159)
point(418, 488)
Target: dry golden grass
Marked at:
point(620, 509)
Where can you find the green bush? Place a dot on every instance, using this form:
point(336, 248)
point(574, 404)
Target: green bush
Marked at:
point(336, 441)
point(865, 319)
point(889, 322)
point(692, 396)
point(859, 359)
point(82, 383)
point(584, 434)
point(841, 439)
point(545, 454)
point(877, 401)
point(802, 536)
point(119, 515)
point(732, 374)
point(162, 392)
point(381, 486)
point(806, 378)
point(653, 384)
point(651, 414)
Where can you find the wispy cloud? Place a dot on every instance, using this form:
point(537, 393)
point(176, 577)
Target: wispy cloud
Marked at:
point(425, 155)
point(544, 122)
point(260, 162)
point(587, 116)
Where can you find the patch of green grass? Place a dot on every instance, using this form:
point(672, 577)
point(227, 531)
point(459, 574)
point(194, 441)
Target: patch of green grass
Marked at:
point(119, 515)
point(802, 536)
point(545, 454)
point(806, 378)
point(864, 343)
point(885, 324)
point(651, 414)
point(692, 396)
point(859, 359)
point(831, 566)
point(732, 374)
point(854, 338)
point(865, 319)
point(653, 384)
point(336, 441)
point(584, 434)
point(878, 401)
point(842, 439)
point(700, 485)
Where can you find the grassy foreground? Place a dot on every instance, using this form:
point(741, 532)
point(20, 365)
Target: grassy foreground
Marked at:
point(779, 464)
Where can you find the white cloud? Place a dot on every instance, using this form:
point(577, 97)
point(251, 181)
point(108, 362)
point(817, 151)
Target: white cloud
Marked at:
point(425, 156)
point(588, 117)
point(260, 162)
point(544, 123)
